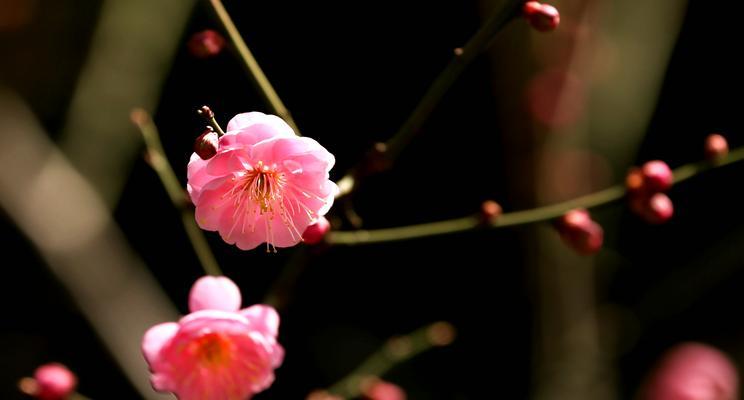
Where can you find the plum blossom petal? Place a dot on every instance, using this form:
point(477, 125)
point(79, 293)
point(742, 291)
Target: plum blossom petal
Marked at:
point(155, 338)
point(263, 318)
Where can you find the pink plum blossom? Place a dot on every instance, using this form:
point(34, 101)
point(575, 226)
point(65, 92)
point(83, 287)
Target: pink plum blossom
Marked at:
point(217, 351)
point(264, 185)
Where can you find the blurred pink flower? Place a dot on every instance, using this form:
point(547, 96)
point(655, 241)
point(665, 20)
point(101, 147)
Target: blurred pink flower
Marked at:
point(217, 351)
point(693, 371)
point(264, 184)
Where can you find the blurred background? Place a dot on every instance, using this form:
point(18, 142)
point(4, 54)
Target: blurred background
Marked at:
point(537, 119)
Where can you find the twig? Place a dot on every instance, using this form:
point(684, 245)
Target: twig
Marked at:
point(251, 65)
point(463, 56)
point(158, 162)
point(395, 351)
point(539, 214)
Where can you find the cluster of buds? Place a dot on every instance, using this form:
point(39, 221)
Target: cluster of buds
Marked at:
point(580, 232)
point(542, 17)
point(646, 187)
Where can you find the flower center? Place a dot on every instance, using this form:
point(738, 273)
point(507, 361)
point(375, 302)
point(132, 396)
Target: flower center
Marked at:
point(212, 349)
point(264, 186)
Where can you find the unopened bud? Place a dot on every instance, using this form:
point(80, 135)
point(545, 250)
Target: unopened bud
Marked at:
point(692, 371)
point(657, 177)
point(377, 389)
point(490, 211)
point(716, 147)
point(317, 232)
point(634, 181)
point(207, 143)
point(377, 159)
point(655, 209)
point(205, 112)
point(542, 17)
point(322, 395)
point(50, 382)
point(580, 232)
point(205, 44)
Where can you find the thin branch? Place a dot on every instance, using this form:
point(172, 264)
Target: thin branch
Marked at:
point(395, 351)
point(251, 65)
point(539, 214)
point(463, 56)
point(158, 162)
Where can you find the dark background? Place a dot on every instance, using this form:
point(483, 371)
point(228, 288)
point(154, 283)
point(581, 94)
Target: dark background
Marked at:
point(351, 74)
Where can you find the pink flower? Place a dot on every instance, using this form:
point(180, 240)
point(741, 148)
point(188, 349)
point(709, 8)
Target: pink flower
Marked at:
point(693, 371)
point(217, 351)
point(264, 184)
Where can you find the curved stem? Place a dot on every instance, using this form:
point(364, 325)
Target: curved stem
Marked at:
point(157, 160)
point(251, 65)
point(463, 56)
point(545, 213)
point(395, 351)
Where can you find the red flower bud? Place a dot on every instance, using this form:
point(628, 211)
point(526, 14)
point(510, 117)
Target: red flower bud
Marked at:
point(580, 232)
point(655, 209)
point(490, 211)
point(634, 181)
point(322, 395)
point(50, 382)
point(377, 389)
point(542, 17)
point(316, 232)
point(716, 147)
point(207, 143)
point(205, 44)
point(657, 177)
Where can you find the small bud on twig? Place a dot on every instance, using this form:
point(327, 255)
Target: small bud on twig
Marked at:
point(542, 17)
point(580, 232)
point(205, 44)
point(207, 143)
point(657, 176)
point(716, 147)
point(316, 232)
point(490, 211)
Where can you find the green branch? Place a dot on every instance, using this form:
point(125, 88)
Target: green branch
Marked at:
point(157, 160)
point(251, 65)
point(463, 56)
point(539, 214)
